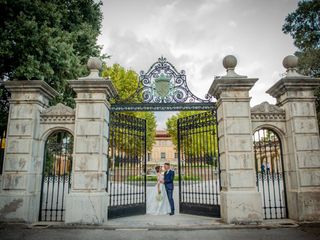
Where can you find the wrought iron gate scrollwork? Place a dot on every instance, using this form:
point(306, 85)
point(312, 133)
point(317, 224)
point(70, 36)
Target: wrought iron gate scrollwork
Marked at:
point(163, 88)
point(199, 174)
point(127, 166)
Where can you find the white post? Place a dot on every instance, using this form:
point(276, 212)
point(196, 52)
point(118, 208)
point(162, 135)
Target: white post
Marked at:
point(22, 172)
point(88, 200)
point(295, 94)
point(240, 200)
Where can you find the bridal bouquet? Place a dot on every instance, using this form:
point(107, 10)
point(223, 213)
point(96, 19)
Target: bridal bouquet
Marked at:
point(159, 197)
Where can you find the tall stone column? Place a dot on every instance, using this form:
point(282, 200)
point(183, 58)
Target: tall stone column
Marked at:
point(21, 179)
point(295, 94)
point(87, 201)
point(240, 200)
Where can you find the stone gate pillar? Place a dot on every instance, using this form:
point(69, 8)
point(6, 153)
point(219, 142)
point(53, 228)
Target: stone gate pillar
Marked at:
point(295, 94)
point(87, 201)
point(240, 200)
point(22, 171)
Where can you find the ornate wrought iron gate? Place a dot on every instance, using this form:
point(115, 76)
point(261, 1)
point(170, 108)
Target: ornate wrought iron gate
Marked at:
point(56, 176)
point(127, 166)
point(270, 174)
point(199, 178)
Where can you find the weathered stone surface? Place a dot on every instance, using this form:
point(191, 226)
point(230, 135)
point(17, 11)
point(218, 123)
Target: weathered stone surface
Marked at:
point(236, 109)
point(309, 178)
point(91, 111)
point(240, 161)
point(16, 145)
point(19, 196)
point(87, 162)
point(237, 126)
point(307, 142)
point(87, 208)
point(87, 180)
point(308, 159)
point(21, 111)
point(242, 179)
point(239, 143)
point(302, 109)
point(240, 201)
point(20, 128)
point(241, 207)
point(89, 128)
point(305, 205)
point(305, 125)
point(89, 144)
point(16, 162)
point(14, 181)
point(295, 94)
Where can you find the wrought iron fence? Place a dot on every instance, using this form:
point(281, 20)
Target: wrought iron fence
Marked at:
point(270, 174)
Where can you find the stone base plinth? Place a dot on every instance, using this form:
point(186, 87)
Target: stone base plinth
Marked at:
point(19, 208)
point(87, 208)
point(304, 205)
point(241, 207)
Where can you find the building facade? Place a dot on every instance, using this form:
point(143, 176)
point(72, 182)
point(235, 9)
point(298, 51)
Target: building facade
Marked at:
point(163, 149)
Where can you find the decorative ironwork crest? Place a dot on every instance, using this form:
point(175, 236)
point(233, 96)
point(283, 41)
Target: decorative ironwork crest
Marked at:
point(162, 83)
point(163, 88)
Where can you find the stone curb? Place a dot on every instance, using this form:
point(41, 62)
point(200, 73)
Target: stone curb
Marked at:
point(158, 227)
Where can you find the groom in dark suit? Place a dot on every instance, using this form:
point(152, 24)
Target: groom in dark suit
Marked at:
point(168, 183)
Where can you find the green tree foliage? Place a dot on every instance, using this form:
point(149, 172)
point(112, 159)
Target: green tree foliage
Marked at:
point(48, 40)
point(172, 124)
point(195, 144)
point(304, 26)
point(126, 83)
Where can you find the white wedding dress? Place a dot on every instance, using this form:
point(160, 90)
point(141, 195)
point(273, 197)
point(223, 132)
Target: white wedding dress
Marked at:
point(158, 203)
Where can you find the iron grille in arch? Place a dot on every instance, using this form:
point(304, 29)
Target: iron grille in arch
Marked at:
point(56, 176)
point(163, 88)
point(270, 177)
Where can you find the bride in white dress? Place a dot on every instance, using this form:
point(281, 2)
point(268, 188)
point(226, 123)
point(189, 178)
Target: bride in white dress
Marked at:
point(157, 199)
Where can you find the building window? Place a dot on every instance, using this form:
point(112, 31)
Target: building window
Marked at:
point(175, 155)
point(149, 157)
point(163, 155)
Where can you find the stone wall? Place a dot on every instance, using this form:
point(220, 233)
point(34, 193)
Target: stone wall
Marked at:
point(293, 118)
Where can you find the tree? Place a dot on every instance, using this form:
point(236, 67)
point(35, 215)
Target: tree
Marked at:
point(126, 83)
point(48, 40)
point(197, 144)
point(304, 26)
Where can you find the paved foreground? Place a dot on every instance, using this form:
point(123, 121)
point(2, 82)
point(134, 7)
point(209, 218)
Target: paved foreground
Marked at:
point(13, 232)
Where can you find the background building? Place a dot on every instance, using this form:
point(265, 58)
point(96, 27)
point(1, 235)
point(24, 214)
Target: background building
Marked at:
point(163, 150)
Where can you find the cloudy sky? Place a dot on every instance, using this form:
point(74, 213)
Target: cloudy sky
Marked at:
point(195, 35)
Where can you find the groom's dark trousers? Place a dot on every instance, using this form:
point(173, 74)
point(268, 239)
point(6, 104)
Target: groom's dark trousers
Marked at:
point(168, 183)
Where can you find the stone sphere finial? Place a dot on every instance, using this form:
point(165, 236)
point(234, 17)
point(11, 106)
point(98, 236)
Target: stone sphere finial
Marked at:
point(290, 62)
point(94, 63)
point(229, 62)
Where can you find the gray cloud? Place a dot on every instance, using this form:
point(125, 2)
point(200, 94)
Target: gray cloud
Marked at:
point(196, 35)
